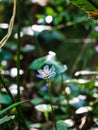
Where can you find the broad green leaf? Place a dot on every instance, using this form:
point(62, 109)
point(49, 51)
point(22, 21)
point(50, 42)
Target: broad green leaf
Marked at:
point(64, 124)
point(89, 6)
point(61, 125)
point(6, 119)
point(50, 59)
point(11, 106)
point(4, 99)
point(37, 63)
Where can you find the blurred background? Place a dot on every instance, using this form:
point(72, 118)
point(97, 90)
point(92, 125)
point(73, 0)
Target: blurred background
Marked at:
point(62, 30)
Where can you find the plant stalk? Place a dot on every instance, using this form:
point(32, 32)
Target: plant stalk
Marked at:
point(18, 55)
point(51, 103)
point(18, 48)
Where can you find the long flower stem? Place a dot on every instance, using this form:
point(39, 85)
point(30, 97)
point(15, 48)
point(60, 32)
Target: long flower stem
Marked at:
point(51, 103)
point(18, 48)
point(18, 55)
point(20, 115)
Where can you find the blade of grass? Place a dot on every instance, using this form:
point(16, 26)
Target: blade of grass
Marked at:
point(20, 115)
point(11, 106)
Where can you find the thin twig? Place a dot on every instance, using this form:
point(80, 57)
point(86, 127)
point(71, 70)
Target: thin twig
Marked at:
point(6, 37)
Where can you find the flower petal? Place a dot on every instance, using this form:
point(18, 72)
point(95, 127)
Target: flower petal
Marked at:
point(40, 71)
point(46, 68)
point(46, 72)
point(52, 68)
point(40, 76)
point(52, 74)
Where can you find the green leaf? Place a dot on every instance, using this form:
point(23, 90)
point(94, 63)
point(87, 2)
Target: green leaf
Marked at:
point(50, 60)
point(89, 6)
point(11, 106)
point(61, 125)
point(64, 124)
point(6, 119)
point(37, 64)
point(58, 19)
point(4, 99)
point(50, 11)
